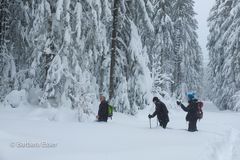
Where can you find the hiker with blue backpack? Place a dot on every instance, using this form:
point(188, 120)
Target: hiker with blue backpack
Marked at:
point(194, 111)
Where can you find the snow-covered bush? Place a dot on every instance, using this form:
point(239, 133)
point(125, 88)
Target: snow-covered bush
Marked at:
point(15, 98)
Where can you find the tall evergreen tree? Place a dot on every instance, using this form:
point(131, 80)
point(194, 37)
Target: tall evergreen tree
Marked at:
point(188, 55)
point(73, 64)
point(130, 93)
point(162, 47)
point(224, 54)
point(7, 63)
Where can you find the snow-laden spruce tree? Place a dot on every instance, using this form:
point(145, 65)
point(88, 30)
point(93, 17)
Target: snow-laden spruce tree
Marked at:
point(67, 84)
point(139, 80)
point(138, 74)
point(224, 54)
point(131, 61)
point(233, 49)
point(7, 63)
point(215, 48)
point(187, 52)
point(28, 35)
point(161, 51)
point(39, 41)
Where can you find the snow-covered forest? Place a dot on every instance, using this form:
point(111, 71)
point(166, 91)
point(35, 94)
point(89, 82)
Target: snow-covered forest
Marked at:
point(60, 60)
point(67, 53)
point(224, 48)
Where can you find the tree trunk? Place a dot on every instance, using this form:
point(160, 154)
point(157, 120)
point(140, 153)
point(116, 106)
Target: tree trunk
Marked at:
point(113, 49)
point(177, 61)
point(49, 56)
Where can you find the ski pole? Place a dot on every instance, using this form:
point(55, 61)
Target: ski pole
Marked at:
point(150, 123)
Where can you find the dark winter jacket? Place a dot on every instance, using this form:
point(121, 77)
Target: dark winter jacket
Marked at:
point(161, 112)
point(103, 111)
point(191, 109)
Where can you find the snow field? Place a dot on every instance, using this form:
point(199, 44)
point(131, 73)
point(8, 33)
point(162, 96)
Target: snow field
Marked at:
point(124, 137)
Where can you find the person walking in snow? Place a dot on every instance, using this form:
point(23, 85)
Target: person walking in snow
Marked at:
point(103, 110)
point(191, 110)
point(161, 112)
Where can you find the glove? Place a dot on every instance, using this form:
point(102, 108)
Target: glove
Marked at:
point(149, 116)
point(178, 103)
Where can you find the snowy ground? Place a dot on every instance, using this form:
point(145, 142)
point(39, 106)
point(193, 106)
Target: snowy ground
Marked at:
point(27, 134)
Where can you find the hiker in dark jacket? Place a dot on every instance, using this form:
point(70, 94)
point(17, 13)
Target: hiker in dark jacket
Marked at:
point(161, 112)
point(191, 116)
point(103, 110)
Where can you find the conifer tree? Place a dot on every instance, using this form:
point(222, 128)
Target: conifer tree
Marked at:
point(188, 55)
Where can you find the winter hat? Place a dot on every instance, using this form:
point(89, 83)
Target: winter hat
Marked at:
point(190, 96)
point(155, 99)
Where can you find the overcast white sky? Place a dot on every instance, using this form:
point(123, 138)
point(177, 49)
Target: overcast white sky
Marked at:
point(202, 8)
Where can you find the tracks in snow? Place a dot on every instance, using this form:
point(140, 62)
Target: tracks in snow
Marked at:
point(226, 148)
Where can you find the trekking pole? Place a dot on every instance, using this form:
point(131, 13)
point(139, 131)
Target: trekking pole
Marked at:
point(150, 123)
